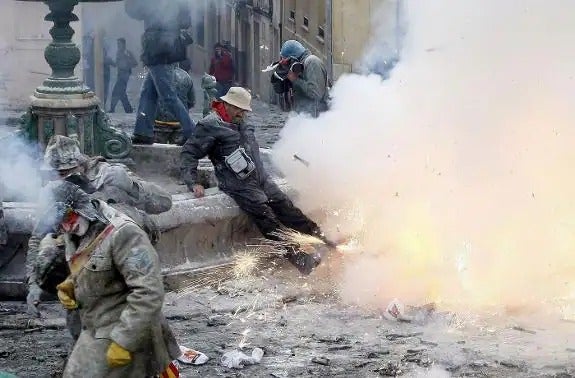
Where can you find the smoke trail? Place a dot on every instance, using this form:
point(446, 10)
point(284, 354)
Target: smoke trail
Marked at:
point(457, 170)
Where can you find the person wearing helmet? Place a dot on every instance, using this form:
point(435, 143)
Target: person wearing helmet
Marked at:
point(231, 145)
point(305, 74)
point(113, 183)
point(115, 276)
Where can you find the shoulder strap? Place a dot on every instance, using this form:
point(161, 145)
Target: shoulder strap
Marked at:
point(80, 259)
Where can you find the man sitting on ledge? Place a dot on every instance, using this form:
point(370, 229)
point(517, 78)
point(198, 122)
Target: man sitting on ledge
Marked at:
point(231, 145)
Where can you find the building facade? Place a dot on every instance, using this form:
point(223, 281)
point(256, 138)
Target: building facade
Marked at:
point(22, 43)
point(346, 34)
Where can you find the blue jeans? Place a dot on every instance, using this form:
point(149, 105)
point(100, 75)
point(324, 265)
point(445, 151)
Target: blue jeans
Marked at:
point(160, 85)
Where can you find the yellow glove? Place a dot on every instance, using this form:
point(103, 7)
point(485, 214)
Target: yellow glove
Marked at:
point(118, 356)
point(66, 294)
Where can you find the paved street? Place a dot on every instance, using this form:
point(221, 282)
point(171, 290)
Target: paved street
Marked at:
point(305, 330)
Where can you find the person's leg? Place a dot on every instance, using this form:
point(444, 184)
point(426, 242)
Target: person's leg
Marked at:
point(287, 213)
point(163, 76)
point(115, 97)
point(124, 97)
point(268, 223)
point(146, 109)
point(262, 215)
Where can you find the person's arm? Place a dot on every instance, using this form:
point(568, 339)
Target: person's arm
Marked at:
point(137, 261)
point(196, 148)
point(314, 85)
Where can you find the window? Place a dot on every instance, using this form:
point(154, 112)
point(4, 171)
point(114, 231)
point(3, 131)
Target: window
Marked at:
point(200, 37)
point(320, 34)
point(305, 23)
point(292, 15)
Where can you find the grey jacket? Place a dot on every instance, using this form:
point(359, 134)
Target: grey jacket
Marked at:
point(120, 292)
point(217, 139)
point(310, 90)
point(143, 198)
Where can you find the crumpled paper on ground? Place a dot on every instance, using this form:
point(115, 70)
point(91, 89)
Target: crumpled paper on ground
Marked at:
point(236, 359)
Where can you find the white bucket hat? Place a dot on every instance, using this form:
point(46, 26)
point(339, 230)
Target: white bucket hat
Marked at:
point(238, 97)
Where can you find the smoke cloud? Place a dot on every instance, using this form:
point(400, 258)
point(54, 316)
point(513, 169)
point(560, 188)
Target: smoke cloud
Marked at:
point(455, 175)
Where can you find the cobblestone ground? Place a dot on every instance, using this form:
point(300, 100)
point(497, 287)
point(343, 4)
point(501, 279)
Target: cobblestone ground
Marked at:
point(305, 330)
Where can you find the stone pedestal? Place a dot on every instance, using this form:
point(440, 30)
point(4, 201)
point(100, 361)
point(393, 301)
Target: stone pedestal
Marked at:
point(62, 104)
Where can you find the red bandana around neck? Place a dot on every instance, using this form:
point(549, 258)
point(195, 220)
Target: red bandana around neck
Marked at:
point(220, 108)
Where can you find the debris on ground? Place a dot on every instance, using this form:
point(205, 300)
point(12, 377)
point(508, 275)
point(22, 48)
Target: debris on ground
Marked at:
point(192, 357)
point(237, 359)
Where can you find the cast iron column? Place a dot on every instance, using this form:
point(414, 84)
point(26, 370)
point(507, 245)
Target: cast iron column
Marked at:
point(62, 104)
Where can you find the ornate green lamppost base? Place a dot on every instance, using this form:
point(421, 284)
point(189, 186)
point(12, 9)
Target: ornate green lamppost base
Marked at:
point(62, 104)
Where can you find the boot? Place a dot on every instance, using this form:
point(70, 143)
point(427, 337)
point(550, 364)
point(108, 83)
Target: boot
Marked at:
point(304, 262)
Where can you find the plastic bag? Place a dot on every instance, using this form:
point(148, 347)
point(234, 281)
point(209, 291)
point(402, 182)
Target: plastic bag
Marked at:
point(236, 359)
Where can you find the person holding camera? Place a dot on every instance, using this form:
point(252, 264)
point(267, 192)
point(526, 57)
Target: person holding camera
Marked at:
point(303, 73)
point(164, 42)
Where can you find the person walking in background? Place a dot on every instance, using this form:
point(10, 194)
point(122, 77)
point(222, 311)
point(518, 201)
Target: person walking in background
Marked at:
point(164, 42)
point(125, 61)
point(107, 71)
point(222, 68)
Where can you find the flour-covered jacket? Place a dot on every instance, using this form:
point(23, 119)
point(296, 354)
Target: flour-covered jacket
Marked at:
point(311, 88)
point(120, 295)
point(113, 183)
point(116, 182)
point(217, 139)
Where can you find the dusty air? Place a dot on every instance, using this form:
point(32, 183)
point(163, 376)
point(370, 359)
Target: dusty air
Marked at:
point(281, 188)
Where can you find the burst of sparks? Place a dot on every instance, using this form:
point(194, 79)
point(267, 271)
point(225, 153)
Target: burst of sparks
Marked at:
point(295, 237)
point(246, 264)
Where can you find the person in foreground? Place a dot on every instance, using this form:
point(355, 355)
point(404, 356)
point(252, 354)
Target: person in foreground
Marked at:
point(116, 285)
point(230, 143)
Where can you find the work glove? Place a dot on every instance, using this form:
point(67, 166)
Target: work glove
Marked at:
point(33, 300)
point(117, 356)
point(66, 295)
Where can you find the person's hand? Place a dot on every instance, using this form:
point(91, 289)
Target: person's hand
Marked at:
point(66, 295)
point(292, 76)
point(198, 190)
point(117, 356)
point(33, 300)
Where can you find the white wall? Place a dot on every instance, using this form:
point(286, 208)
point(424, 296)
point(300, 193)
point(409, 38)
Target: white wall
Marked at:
point(23, 37)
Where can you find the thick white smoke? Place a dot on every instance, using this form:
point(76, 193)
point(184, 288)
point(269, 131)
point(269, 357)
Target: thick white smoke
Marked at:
point(456, 173)
point(20, 178)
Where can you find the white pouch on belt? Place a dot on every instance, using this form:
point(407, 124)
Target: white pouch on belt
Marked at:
point(240, 163)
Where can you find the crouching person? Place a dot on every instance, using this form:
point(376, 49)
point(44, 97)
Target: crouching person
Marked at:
point(115, 284)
